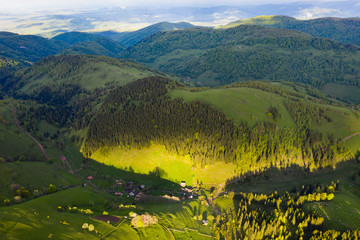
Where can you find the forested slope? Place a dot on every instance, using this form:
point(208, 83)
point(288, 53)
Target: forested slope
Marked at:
point(90, 44)
point(221, 56)
point(131, 38)
point(141, 113)
point(343, 30)
point(28, 47)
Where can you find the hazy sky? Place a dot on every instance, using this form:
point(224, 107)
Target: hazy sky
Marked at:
point(48, 17)
point(32, 5)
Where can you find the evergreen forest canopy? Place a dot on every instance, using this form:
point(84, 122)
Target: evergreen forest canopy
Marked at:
point(343, 30)
point(141, 113)
point(243, 53)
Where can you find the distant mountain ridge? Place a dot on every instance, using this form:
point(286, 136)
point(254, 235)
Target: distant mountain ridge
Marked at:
point(131, 38)
point(29, 48)
point(213, 57)
point(90, 44)
point(344, 30)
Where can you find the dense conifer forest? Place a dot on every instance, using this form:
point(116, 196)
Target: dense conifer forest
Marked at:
point(141, 113)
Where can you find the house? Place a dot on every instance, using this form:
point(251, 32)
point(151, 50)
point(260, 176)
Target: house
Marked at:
point(205, 222)
point(142, 186)
point(118, 193)
point(90, 177)
point(183, 184)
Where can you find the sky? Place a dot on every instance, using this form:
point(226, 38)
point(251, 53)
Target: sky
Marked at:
point(50, 17)
point(39, 5)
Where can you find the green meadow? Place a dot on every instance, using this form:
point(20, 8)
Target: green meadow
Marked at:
point(173, 167)
point(241, 104)
point(40, 219)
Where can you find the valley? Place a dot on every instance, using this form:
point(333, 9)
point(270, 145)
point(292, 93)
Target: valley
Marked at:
point(236, 132)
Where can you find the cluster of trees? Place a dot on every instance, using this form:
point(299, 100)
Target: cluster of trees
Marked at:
point(261, 216)
point(141, 113)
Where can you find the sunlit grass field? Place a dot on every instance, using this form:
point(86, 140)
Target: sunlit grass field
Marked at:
point(175, 167)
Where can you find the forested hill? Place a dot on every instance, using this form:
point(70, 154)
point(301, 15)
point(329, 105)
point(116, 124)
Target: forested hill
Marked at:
point(131, 38)
point(90, 44)
point(221, 56)
point(141, 114)
point(57, 78)
point(344, 30)
point(28, 47)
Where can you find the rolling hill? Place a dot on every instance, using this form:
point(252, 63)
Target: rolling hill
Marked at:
point(28, 47)
point(343, 30)
point(89, 72)
point(129, 39)
point(105, 139)
point(89, 44)
point(211, 57)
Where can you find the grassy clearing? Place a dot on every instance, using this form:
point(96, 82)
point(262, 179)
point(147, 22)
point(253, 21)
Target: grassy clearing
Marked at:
point(348, 93)
point(341, 213)
point(241, 104)
point(145, 160)
point(39, 218)
point(95, 72)
point(32, 176)
point(173, 167)
point(181, 216)
point(344, 122)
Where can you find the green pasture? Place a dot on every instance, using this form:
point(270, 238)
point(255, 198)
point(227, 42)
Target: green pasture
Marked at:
point(173, 167)
point(241, 104)
point(39, 218)
point(343, 212)
point(95, 73)
point(344, 121)
point(33, 176)
point(182, 217)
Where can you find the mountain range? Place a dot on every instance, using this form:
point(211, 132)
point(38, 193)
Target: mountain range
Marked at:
point(175, 131)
